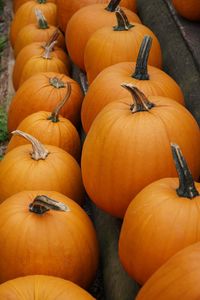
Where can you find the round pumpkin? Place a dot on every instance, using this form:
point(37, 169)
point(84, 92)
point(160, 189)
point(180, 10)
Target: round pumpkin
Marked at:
point(188, 9)
point(37, 32)
point(67, 9)
point(34, 167)
point(51, 129)
point(42, 92)
point(98, 16)
point(120, 43)
point(107, 85)
point(45, 232)
point(26, 15)
point(127, 148)
point(18, 3)
point(177, 279)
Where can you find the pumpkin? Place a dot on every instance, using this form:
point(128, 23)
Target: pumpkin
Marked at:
point(85, 22)
point(26, 15)
point(34, 167)
point(177, 279)
point(127, 148)
point(51, 129)
point(67, 9)
point(120, 43)
point(18, 3)
point(36, 49)
point(161, 220)
point(46, 233)
point(42, 92)
point(188, 9)
point(107, 85)
point(37, 32)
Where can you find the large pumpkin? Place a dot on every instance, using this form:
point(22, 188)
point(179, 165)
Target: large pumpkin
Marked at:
point(110, 45)
point(85, 22)
point(66, 9)
point(127, 147)
point(34, 167)
point(51, 129)
point(26, 15)
point(160, 221)
point(107, 85)
point(43, 92)
point(188, 9)
point(18, 3)
point(45, 232)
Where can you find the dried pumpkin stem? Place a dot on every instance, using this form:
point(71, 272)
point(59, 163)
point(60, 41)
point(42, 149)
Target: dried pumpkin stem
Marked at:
point(42, 22)
point(42, 204)
point(122, 21)
point(42, 1)
point(55, 114)
point(39, 152)
point(56, 83)
point(112, 5)
point(140, 102)
point(48, 50)
point(141, 72)
point(186, 187)
point(53, 38)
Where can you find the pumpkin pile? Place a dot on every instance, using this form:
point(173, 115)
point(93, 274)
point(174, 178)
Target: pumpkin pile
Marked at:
point(138, 137)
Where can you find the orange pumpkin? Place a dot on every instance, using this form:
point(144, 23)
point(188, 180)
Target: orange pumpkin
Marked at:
point(43, 92)
point(144, 247)
point(52, 235)
point(26, 15)
point(39, 167)
point(37, 32)
point(177, 279)
point(98, 16)
point(120, 43)
point(188, 9)
point(67, 9)
point(50, 129)
point(18, 3)
point(107, 86)
point(127, 148)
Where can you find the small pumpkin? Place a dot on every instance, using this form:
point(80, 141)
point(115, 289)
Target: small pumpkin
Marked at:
point(26, 15)
point(120, 43)
point(107, 85)
point(37, 32)
point(85, 22)
point(127, 148)
point(34, 167)
point(18, 3)
point(188, 9)
point(47, 233)
point(51, 129)
point(42, 92)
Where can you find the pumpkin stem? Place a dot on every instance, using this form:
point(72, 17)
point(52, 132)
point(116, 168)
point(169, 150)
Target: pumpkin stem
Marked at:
point(42, 22)
point(186, 187)
point(42, 204)
point(56, 83)
point(122, 21)
point(140, 101)
point(48, 49)
point(53, 38)
point(112, 5)
point(55, 114)
point(141, 72)
point(39, 152)
point(41, 1)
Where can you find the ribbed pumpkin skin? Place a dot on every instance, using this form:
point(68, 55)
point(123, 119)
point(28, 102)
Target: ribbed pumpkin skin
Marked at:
point(177, 279)
point(38, 94)
point(99, 53)
point(61, 244)
point(61, 134)
point(31, 34)
point(66, 9)
point(124, 152)
point(188, 9)
point(83, 27)
point(18, 3)
point(157, 225)
point(29, 51)
point(26, 15)
point(58, 172)
point(107, 88)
